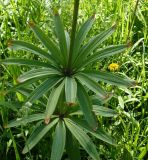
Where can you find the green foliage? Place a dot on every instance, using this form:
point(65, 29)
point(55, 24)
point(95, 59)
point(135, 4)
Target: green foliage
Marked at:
point(58, 86)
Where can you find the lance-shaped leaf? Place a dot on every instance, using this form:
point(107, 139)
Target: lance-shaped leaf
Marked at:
point(43, 88)
point(17, 45)
point(25, 120)
point(67, 41)
point(58, 141)
point(72, 147)
point(93, 44)
point(61, 35)
point(52, 101)
point(104, 111)
point(80, 36)
point(103, 53)
point(83, 138)
point(86, 106)
point(111, 78)
point(18, 61)
point(92, 85)
point(37, 135)
point(41, 72)
point(50, 45)
point(70, 89)
point(99, 133)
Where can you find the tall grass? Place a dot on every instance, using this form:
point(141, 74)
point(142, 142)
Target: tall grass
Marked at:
point(130, 127)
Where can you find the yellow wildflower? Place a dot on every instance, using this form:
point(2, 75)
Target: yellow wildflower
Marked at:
point(113, 67)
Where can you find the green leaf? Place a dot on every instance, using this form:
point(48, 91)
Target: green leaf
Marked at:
point(41, 72)
point(18, 61)
point(93, 44)
point(99, 133)
point(103, 53)
point(30, 47)
point(25, 120)
point(83, 138)
point(58, 141)
point(67, 41)
point(8, 105)
point(92, 85)
point(86, 106)
point(43, 88)
point(80, 36)
point(50, 45)
point(61, 36)
point(111, 78)
point(72, 147)
point(52, 101)
point(70, 90)
point(104, 111)
point(37, 135)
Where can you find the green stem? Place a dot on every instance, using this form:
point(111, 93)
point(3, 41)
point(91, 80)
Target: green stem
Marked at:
point(133, 19)
point(74, 24)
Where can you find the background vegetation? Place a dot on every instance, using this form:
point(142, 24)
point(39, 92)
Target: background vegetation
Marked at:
point(130, 128)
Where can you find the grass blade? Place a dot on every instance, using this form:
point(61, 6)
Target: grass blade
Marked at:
point(58, 141)
point(37, 135)
point(86, 106)
point(83, 138)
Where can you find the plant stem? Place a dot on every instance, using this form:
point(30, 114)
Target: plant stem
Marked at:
point(133, 19)
point(74, 24)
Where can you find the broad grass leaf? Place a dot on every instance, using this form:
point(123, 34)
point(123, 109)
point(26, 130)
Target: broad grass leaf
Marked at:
point(70, 90)
point(58, 141)
point(37, 135)
point(86, 106)
point(83, 138)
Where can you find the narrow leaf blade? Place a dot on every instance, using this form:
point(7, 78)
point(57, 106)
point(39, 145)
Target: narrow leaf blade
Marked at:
point(86, 106)
point(83, 138)
point(58, 141)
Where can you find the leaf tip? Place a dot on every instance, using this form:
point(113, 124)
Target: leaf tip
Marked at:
point(31, 24)
point(10, 43)
point(114, 26)
point(46, 120)
point(129, 44)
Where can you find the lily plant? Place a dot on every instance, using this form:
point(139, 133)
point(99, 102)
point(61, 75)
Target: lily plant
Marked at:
point(65, 81)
